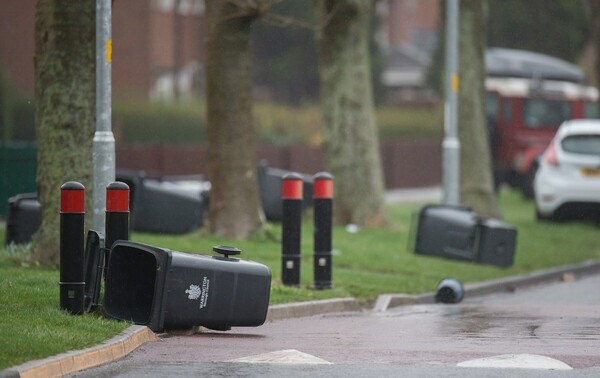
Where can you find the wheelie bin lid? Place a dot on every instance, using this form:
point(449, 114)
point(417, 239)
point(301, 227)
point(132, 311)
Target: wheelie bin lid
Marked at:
point(94, 268)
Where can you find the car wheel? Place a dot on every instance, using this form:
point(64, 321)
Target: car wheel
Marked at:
point(541, 217)
point(527, 182)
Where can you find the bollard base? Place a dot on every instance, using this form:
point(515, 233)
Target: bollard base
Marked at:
point(72, 297)
point(290, 270)
point(322, 270)
point(322, 285)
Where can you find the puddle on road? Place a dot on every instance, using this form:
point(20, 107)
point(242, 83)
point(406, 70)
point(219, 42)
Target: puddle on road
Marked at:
point(493, 322)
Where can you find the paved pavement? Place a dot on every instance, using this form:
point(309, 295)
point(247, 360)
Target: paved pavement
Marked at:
point(278, 335)
point(502, 322)
point(411, 195)
point(545, 327)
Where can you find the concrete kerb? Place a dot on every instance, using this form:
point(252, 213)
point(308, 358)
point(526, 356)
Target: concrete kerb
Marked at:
point(72, 361)
point(133, 337)
point(301, 309)
point(136, 335)
point(387, 301)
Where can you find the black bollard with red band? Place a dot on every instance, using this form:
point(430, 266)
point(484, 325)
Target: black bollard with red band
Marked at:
point(72, 256)
point(117, 216)
point(291, 226)
point(323, 213)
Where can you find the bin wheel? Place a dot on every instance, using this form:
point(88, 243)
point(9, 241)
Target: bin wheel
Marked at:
point(219, 328)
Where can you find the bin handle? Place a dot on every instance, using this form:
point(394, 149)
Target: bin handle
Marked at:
point(226, 250)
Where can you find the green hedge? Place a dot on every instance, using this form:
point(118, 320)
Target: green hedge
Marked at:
point(276, 124)
point(410, 122)
point(158, 123)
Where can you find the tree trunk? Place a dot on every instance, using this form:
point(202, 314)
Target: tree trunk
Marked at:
point(235, 209)
point(476, 180)
point(6, 108)
point(65, 102)
point(595, 10)
point(350, 135)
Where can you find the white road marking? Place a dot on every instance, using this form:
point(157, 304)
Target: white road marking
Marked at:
point(518, 361)
point(287, 356)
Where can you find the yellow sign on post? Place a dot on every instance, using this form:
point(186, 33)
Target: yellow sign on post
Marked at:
point(109, 50)
point(455, 83)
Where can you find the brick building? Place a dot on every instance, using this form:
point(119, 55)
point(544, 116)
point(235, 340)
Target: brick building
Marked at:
point(157, 46)
point(158, 54)
point(409, 36)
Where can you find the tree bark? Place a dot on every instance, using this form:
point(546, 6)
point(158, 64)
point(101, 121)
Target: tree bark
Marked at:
point(350, 136)
point(235, 209)
point(595, 10)
point(476, 180)
point(65, 102)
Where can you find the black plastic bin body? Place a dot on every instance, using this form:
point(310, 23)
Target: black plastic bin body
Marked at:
point(171, 206)
point(164, 289)
point(458, 233)
point(270, 185)
point(162, 206)
point(23, 218)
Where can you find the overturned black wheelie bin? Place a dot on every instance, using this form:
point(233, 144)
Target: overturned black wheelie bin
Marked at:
point(270, 184)
point(171, 206)
point(164, 289)
point(456, 232)
point(23, 218)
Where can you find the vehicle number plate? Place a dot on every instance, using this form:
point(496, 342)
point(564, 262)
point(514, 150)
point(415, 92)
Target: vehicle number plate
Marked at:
point(590, 172)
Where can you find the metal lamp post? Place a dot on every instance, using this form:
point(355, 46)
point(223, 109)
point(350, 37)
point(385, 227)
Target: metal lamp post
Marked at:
point(451, 143)
point(104, 141)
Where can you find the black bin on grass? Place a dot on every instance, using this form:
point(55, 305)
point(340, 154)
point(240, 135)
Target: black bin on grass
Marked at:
point(167, 205)
point(23, 218)
point(270, 184)
point(164, 289)
point(459, 233)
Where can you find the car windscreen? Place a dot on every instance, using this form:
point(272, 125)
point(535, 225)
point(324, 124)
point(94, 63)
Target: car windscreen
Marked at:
point(591, 110)
point(491, 105)
point(539, 113)
point(582, 144)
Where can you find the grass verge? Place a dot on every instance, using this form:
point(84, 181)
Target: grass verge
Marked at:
point(366, 264)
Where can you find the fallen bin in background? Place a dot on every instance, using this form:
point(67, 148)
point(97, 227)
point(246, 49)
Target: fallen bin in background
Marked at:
point(164, 289)
point(270, 184)
point(459, 233)
point(169, 205)
point(23, 218)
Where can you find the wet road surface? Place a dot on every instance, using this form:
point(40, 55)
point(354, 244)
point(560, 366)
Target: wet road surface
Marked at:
point(560, 321)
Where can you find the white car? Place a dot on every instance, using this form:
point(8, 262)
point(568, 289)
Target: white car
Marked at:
point(567, 183)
